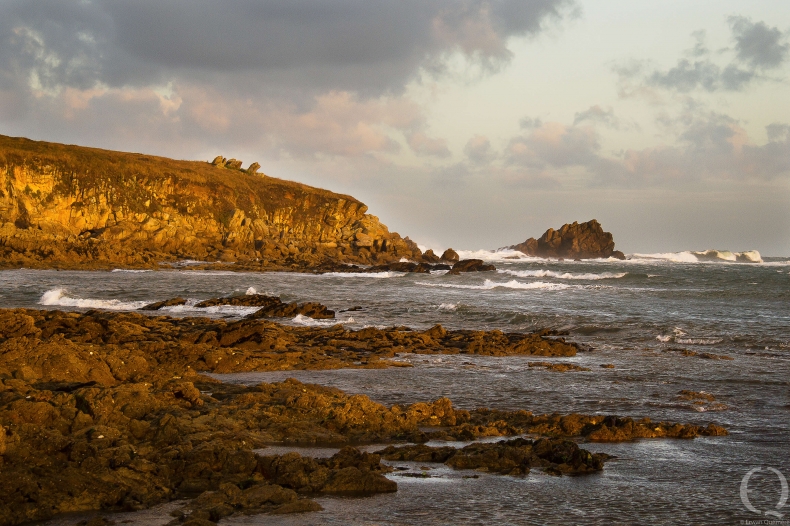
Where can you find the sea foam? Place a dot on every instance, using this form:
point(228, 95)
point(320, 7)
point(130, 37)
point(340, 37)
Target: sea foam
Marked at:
point(58, 297)
point(512, 284)
point(710, 256)
point(562, 275)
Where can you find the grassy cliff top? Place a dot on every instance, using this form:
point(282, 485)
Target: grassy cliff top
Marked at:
point(88, 163)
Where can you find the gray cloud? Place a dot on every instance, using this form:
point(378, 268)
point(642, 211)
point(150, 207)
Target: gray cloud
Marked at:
point(758, 49)
point(478, 150)
point(758, 45)
point(596, 114)
point(360, 45)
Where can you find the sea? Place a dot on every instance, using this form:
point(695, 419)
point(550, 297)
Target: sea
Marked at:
point(664, 321)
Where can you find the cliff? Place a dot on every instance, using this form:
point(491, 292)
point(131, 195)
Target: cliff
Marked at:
point(64, 205)
point(573, 241)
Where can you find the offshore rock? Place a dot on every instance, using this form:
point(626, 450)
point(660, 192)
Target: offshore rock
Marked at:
point(74, 207)
point(507, 457)
point(470, 265)
point(450, 255)
point(574, 241)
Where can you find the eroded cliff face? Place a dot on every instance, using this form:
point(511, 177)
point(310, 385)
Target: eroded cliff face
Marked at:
point(70, 205)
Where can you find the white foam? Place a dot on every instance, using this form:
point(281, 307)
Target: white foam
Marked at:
point(447, 306)
point(562, 275)
point(307, 321)
point(663, 338)
point(58, 297)
point(512, 284)
point(251, 291)
point(709, 256)
point(218, 310)
point(504, 254)
point(380, 275)
point(698, 341)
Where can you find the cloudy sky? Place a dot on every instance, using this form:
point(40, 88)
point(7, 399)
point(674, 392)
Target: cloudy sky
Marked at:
point(469, 123)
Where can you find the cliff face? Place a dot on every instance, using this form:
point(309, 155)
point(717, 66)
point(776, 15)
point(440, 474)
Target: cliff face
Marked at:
point(573, 240)
point(72, 205)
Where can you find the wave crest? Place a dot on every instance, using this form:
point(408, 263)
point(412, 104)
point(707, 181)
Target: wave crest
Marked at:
point(715, 256)
point(562, 275)
point(59, 298)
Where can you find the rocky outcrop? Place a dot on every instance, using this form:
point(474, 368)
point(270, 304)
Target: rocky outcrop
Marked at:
point(556, 456)
point(70, 206)
point(573, 241)
point(107, 411)
point(270, 306)
point(470, 265)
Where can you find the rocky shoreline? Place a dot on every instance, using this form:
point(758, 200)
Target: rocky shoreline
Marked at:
point(113, 411)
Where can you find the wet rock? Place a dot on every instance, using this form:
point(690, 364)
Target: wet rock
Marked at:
point(558, 366)
point(166, 303)
point(511, 457)
point(705, 355)
point(450, 256)
point(429, 257)
point(118, 409)
point(470, 265)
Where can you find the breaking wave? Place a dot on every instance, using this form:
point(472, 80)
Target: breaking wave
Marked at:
point(310, 322)
point(562, 275)
point(495, 255)
point(714, 256)
point(58, 297)
point(380, 275)
point(512, 284)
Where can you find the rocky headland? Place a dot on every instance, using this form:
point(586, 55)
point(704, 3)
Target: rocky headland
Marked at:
point(572, 241)
point(112, 411)
point(68, 206)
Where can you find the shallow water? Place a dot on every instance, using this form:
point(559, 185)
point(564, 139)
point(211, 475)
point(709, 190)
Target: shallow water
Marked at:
point(630, 313)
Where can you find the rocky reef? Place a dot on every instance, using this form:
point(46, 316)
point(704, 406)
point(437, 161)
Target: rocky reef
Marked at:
point(111, 411)
point(573, 241)
point(75, 207)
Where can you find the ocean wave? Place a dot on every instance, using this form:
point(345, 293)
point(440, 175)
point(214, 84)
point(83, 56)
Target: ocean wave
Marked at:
point(562, 275)
point(709, 256)
point(379, 275)
point(512, 284)
point(494, 255)
point(310, 322)
point(58, 297)
point(698, 341)
point(217, 310)
point(448, 306)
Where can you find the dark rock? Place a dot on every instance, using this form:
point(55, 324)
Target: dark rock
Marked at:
point(575, 240)
point(429, 257)
point(246, 300)
point(618, 255)
point(470, 265)
point(450, 255)
point(511, 457)
point(167, 303)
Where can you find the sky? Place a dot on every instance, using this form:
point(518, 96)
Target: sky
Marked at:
point(468, 123)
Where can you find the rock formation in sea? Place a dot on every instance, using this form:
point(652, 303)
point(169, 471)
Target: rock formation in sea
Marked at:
point(72, 206)
point(574, 241)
